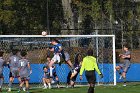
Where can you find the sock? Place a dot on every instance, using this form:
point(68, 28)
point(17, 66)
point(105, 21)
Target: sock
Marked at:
point(91, 90)
point(45, 85)
point(10, 84)
point(27, 89)
point(1, 83)
point(51, 73)
point(119, 72)
point(20, 88)
point(57, 82)
point(49, 84)
point(72, 69)
point(124, 80)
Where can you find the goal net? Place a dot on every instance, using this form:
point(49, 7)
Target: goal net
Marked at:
point(37, 49)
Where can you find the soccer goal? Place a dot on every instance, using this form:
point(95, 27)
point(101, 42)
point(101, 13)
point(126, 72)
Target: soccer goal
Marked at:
point(37, 48)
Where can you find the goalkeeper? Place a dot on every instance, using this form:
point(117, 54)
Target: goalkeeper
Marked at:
point(89, 65)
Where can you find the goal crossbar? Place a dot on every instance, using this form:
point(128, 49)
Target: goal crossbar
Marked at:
point(57, 36)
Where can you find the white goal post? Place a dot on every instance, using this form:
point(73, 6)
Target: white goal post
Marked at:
point(96, 37)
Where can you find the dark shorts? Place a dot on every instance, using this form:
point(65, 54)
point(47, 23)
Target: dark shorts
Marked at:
point(54, 74)
point(25, 79)
point(46, 76)
point(10, 74)
point(65, 56)
point(15, 73)
point(90, 76)
point(1, 75)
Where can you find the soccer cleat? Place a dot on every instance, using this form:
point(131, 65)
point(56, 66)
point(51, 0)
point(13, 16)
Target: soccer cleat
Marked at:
point(124, 85)
point(45, 88)
point(67, 86)
point(27, 92)
point(50, 87)
point(58, 86)
point(72, 86)
point(24, 89)
point(19, 91)
point(9, 90)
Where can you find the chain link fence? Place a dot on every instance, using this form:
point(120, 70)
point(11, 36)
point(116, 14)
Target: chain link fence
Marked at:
point(37, 48)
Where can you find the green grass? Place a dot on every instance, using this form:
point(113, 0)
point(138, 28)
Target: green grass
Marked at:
point(130, 88)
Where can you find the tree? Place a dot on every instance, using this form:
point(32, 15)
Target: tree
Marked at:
point(91, 13)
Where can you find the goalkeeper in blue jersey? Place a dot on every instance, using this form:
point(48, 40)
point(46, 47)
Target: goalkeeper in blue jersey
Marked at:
point(58, 53)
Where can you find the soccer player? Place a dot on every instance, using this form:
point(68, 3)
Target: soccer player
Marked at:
point(90, 66)
point(13, 65)
point(46, 78)
point(126, 65)
point(24, 71)
point(71, 78)
point(59, 51)
point(2, 62)
point(54, 77)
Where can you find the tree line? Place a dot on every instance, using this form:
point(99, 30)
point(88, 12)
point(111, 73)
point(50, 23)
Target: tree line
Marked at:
point(88, 17)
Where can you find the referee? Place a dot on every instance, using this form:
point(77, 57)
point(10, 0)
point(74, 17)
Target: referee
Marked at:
point(89, 65)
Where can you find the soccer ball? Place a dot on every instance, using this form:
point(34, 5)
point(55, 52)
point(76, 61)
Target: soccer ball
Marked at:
point(44, 33)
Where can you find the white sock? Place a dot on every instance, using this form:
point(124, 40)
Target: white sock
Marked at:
point(51, 69)
point(45, 85)
point(49, 84)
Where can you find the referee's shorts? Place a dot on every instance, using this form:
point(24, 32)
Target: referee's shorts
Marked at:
point(90, 76)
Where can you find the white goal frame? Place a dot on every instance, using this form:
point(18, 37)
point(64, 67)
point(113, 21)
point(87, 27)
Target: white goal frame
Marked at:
point(113, 39)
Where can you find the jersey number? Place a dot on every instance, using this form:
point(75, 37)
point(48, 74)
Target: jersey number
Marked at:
point(22, 63)
point(15, 59)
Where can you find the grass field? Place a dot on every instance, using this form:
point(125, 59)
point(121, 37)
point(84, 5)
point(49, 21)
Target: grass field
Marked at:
point(130, 88)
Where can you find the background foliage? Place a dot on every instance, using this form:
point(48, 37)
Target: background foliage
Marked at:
point(119, 17)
